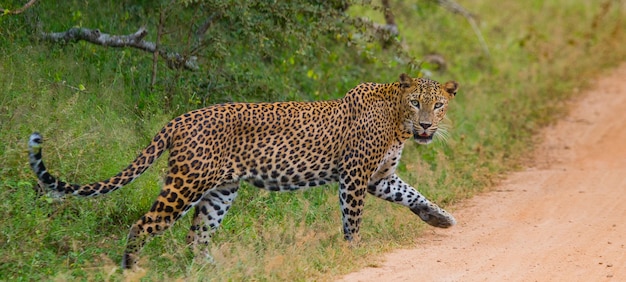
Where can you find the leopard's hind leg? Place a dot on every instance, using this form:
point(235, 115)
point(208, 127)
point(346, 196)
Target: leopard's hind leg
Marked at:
point(181, 192)
point(209, 213)
point(170, 206)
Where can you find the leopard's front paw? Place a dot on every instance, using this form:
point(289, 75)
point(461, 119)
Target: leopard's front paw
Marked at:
point(434, 215)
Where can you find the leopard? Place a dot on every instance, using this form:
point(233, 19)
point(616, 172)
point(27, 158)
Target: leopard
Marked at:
point(355, 141)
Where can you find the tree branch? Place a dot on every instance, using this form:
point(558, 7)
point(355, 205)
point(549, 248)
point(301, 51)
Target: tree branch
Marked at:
point(18, 11)
point(456, 8)
point(390, 20)
point(135, 40)
point(155, 55)
point(207, 24)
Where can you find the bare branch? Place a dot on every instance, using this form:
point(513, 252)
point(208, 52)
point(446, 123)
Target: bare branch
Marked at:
point(456, 8)
point(18, 11)
point(390, 20)
point(207, 24)
point(135, 40)
point(155, 55)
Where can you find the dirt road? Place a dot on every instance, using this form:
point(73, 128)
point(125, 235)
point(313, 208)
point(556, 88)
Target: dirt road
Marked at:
point(561, 219)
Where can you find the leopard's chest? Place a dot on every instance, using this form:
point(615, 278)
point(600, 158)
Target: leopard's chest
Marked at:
point(388, 164)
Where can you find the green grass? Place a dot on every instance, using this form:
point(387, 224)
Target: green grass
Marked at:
point(542, 53)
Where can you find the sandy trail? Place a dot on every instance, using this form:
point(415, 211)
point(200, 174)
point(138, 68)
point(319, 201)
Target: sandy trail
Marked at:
point(562, 219)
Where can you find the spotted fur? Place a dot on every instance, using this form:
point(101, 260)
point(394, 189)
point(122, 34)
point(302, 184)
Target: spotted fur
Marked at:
point(355, 141)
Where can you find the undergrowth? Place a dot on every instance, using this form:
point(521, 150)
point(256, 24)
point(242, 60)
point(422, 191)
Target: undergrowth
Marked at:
point(96, 110)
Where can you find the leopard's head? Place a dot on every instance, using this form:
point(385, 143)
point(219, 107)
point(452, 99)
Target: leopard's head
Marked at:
point(425, 103)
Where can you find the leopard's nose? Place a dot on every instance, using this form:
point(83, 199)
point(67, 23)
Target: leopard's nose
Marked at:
point(425, 125)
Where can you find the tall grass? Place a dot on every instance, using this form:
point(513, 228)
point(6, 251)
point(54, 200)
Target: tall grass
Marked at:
point(541, 53)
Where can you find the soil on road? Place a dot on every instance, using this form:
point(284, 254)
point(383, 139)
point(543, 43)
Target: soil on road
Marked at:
point(563, 218)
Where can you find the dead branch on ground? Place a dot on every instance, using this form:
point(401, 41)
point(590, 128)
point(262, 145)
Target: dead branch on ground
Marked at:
point(18, 11)
point(135, 40)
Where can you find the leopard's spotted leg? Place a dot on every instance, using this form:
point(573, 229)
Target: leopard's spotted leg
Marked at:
point(351, 201)
point(353, 176)
point(393, 189)
point(209, 213)
point(170, 206)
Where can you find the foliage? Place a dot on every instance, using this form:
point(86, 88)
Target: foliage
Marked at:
point(96, 108)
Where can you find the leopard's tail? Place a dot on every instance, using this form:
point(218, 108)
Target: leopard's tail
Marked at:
point(159, 144)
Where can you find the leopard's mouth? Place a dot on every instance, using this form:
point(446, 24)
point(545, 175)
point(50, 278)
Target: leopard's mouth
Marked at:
point(423, 138)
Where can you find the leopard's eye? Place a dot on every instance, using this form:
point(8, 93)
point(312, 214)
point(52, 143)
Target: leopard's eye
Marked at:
point(438, 105)
point(415, 103)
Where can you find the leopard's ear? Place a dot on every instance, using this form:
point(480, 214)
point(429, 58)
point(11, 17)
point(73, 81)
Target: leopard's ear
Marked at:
point(451, 87)
point(405, 80)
